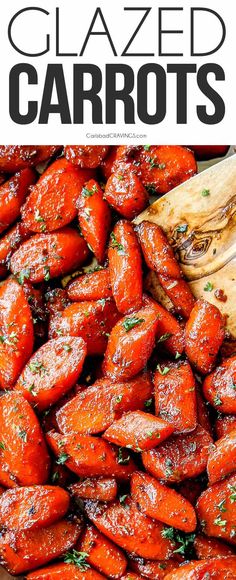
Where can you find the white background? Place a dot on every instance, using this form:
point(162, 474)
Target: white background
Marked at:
point(75, 17)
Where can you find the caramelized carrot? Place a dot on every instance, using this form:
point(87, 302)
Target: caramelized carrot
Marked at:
point(166, 166)
point(52, 201)
point(217, 568)
point(175, 397)
point(204, 336)
point(153, 569)
point(90, 456)
point(92, 286)
point(162, 503)
point(34, 507)
point(16, 157)
point(23, 452)
point(102, 554)
point(13, 194)
point(221, 460)
point(157, 251)
point(211, 548)
point(47, 256)
point(179, 293)
point(86, 155)
point(169, 332)
point(216, 510)
point(179, 458)
point(25, 550)
point(16, 332)
point(224, 424)
point(125, 192)
point(125, 268)
point(94, 409)
point(10, 241)
point(126, 526)
point(138, 431)
point(220, 387)
point(52, 371)
point(130, 344)
point(94, 218)
point(101, 489)
point(92, 321)
point(65, 571)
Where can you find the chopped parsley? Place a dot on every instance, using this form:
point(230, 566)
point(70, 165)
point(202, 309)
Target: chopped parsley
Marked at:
point(2, 446)
point(123, 498)
point(37, 367)
point(89, 192)
point(62, 458)
point(217, 401)
point(23, 435)
point(164, 337)
point(163, 371)
point(221, 506)
point(185, 540)
point(219, 522)
point(23, 275)
point(131, 322)
point(208, 287)
point(205, 192)
point(182, 228)
point(148, 403)
point(232, 497)
point(116, 244)
point(46, 273)
point(121, 459)
point(79, 559)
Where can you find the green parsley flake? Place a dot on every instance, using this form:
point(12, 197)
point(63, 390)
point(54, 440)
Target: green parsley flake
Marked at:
point(131, 322)
point(79, 559)
point(208, 287)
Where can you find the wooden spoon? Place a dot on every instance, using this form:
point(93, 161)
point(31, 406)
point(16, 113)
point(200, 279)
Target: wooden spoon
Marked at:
point(199, 218)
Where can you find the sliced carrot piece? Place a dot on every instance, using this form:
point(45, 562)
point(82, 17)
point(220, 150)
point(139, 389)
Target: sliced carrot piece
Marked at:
point(211, 548)
point(91, 320)
point(224, 424)
point(166, 166)
point(92, 286)
point(220, 387)
point(221, 460)
point(90, 456)
point(52, 201)
point(102, 554)
point(216, 510)
point(125, 267)
point(179, 458)
point(125, 192)
point(13, 194)
point(94, 409)
point(86, 155)
point(65, 571)
point(179, 293)
point(16, 332)
point(217, 568)
point(203, 413)
point(47, 256)
point(153, 569)
point(94, 218)
point(130, 344)
point(16, 157)
point(101, 489)
point(52, 371)
point(24, 457)
point(162, 503)
point(138, 431)
point(33, 507)
point(204, 336)
point(158, 253)
point(126, 526)
point(175, 397)
point(25, 550)
point(10, 241)
point(169, 332)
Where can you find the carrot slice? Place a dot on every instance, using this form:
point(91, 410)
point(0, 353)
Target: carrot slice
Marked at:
point(162, 503)
point(153, 569)
point(93, 410)
point(220, 387)
point(10, 241)
point(16, 332)
point(125, 268)
point(224, 424)
point(179, 458)
point(125, 192)
point(52, 371)
point(25, 550)
point(166, 166)
point(180, 295)
point(16, 157)
point(138, 431)
point(158, 253)
point(47, 256)
point(90, 456)
point(211, 548)
point(52, 201)
point(221, 460)
point(92, 321)
point(101, 489)
point(23, 452)
point(170, 334)
point(126, 526)
point(65, 571)
point(13, 194)
point(102, 554)
point(175, 397)
point(217, 568)
point(130, 344)
point(94, 218)
point(216, 510)
point(92, 286)
point(33, 507)
point(204, 336)
point(86, 155)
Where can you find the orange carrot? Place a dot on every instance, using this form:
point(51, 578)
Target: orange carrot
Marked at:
point(94, 218)
point(101, 489)
point(157, 251)
point(138, 431)
point(204, 336)
point(94, 286)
